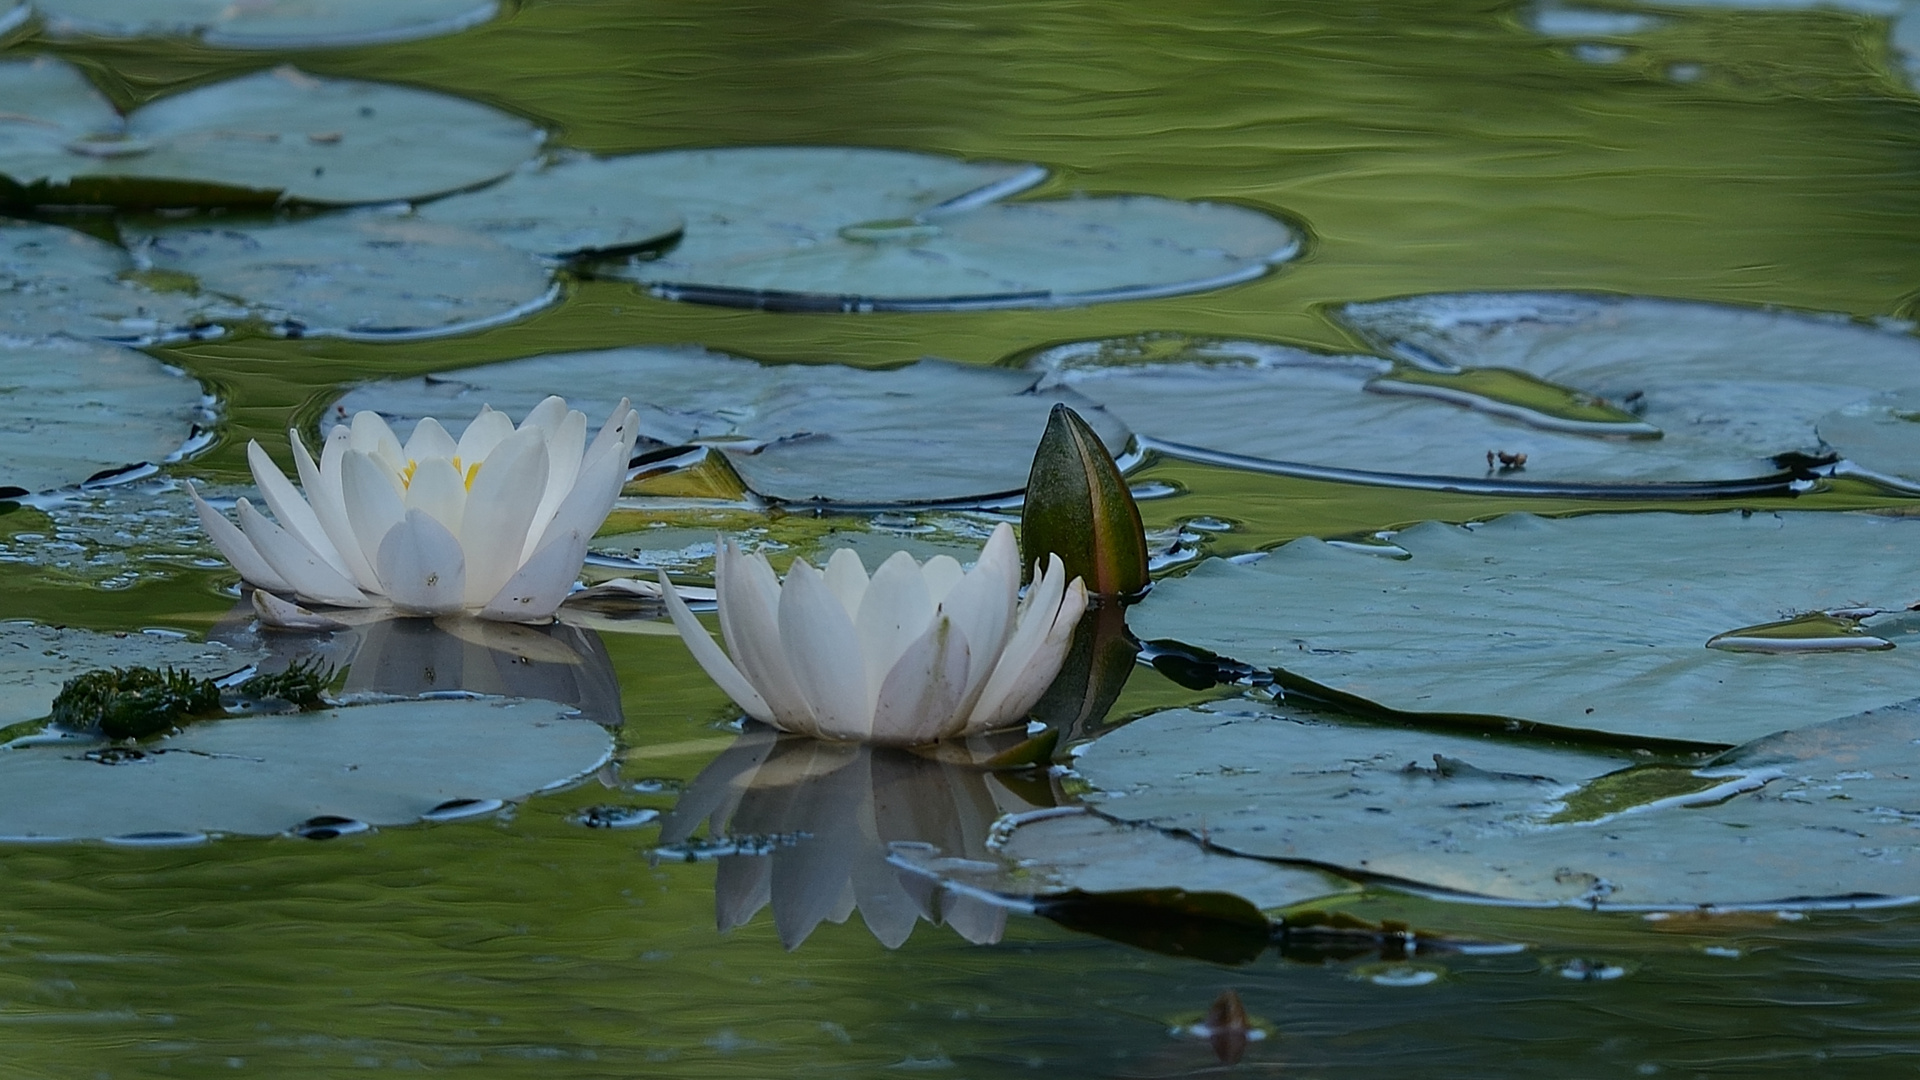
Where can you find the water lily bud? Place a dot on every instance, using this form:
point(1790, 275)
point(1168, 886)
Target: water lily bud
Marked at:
point(1079, 507)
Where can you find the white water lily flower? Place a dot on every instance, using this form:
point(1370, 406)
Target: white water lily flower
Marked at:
point(912, 655)
point(495, 524)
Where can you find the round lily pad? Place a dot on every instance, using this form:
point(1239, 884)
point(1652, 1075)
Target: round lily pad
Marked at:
point(48, 114)
point(1879, 438)
point(77, 409)
point(569, 206)
point(387, 764)
point(1597, 624)
point(928, 432)
point(310, 139)
point(364, 276)
point(36, 660)
point(266, 24)
point(1815, 817)
point(822, 229)
point(61, 281)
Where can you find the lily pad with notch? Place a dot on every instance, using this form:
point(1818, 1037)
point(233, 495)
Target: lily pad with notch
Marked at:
point(386, 764)
point(79, 410)
point(49, 115)
point(839, 229)
point(794, 432)
point(359, 275)
point(1595, 625)
point(266, 24)
point(63, 281)
point(1800, 819)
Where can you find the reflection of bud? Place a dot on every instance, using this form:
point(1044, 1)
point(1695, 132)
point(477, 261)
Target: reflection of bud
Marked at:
point(1099, 661)
point(822, 819)
point(407, 657)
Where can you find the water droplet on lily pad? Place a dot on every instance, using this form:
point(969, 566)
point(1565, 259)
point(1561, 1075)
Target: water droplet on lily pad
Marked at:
point(794, 432)
point(1596, 623)
point(358, 275)
point(266, 24)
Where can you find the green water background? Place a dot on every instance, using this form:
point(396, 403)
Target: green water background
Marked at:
point(1426, 147)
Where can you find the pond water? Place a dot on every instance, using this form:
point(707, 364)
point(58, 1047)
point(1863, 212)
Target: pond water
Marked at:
point(1753, 157)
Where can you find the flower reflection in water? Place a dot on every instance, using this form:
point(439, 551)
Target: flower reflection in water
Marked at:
point(807, 827)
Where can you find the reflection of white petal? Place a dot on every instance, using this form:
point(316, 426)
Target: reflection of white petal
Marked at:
point(711, 660)
point(290, 509)
point(310, 578)
point(236, 547)
point(499, 509)
point(422, 567)
point(823, 651)
point(979, 921)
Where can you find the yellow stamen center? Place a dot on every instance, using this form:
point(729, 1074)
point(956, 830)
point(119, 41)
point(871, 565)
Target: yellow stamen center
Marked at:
point(467, 473)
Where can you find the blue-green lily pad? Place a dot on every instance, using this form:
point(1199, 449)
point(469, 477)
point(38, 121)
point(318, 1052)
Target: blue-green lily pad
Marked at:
point(933, 431)
point(1817, 817)
point(61, 281)
point(266, 24)
point(78, 409)
point(572, 205)
point(36, 660)
point(50, 116)
point(1597, 624)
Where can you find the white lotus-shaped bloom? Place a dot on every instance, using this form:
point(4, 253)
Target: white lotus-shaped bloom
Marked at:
point(496, 524)
point(912, 655)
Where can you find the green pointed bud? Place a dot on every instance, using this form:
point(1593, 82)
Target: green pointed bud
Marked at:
point(1078, 507)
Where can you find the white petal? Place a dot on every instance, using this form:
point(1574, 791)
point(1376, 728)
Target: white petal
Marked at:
point(823, 651)
point(1041, 668)
point(982, 605)
point(422, 566)
point(920, 698)
point(586, 507)
point(371, 435)
point(847, 577)
point(499, 508)
point(895, 611)
point(234, 544)
point(565, 447)
point(372, 503)
point(429, 440)
point(711, 660)
point(942, 572)
point(322, 484)
point(290, 509)
point(438, 489)
point(748, 596)
point(535, 590)
point(286, 615)
point(484, 432)
point(310, 578)
point(547, 415)
point(1037, 616)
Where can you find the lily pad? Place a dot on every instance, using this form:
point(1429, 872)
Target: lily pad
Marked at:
point(794, 432)
point(569, 206)
point(266, 24)
point(61, 281)
point(385, 764)
point(1728, 387)
point(304, 138)
point(1821, 816)
point(36, 660)
point(365, 276)
point(1598, 624)
point(48, 112)
point(77, 409)
point(826, 229)
point(1879, 438)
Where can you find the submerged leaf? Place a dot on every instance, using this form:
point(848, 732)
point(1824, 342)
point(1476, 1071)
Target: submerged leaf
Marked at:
point(1078, 507)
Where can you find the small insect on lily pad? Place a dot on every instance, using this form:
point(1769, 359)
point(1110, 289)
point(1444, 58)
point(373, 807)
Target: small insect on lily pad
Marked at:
point(297, 137)
point(266, 24)
point(36, 660)
point(62, 281)
point(572, 205)
point(1596, 624)
point(77, 410)
point(794, 432)
point(830, 229)
point(358, 275)
point(388, 764)
point(1806, 818)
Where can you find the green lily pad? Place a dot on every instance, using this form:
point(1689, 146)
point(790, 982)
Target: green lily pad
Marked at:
point(387, 764)
point(36, 660)
point(794, 432)
point(1598, 624)
point(289, 135)
point(61, 281)
point(828, 229)
point(1821, 816)
point(1879, 438)
point(48, 112)
point(77, 409)
point(266, 24)
point(366, 276)
point(572, 205)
